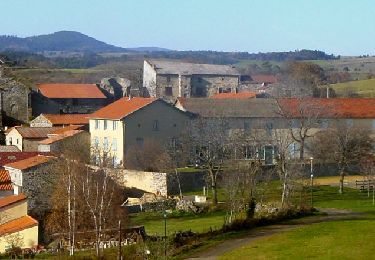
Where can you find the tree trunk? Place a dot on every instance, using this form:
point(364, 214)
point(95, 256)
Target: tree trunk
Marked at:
point(342, 175)
point(302, 150)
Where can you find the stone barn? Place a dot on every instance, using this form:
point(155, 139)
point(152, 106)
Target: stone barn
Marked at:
point(170, 79)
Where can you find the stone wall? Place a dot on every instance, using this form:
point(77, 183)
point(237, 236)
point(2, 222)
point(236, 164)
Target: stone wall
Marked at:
point(154, 182)
point(40, 121)
point(208, 85)
point(14, 102)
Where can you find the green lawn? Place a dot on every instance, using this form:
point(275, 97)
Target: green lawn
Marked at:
point(330, 240)
point(341, 239)
point(154, 222)
point(364, 88)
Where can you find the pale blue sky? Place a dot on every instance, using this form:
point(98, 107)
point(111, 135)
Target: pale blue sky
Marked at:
point(345, 27)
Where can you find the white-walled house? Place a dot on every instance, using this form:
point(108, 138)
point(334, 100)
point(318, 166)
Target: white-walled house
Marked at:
point(131, 122)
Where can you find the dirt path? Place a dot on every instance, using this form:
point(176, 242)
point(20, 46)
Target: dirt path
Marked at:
point(229, 245)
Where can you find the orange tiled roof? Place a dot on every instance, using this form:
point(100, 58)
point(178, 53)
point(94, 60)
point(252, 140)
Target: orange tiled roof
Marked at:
point(8, 200)
point(68, 119)
point(19, 224)
point(269, 79)
point(62, 130)
point(5, 181)
point(62, 90)
point(330, 107)
point(122, 108)
point(29, 162)
point(56, 138)
point(246, 94)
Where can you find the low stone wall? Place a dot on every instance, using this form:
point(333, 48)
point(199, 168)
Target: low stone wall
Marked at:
point(154, 182)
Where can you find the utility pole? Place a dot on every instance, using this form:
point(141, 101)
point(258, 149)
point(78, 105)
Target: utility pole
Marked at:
point(119, 241)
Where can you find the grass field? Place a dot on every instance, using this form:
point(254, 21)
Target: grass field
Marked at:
point(364, 88)
point(341, 239)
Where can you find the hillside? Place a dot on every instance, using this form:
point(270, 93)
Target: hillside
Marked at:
point(362, 88)
point(67, 41)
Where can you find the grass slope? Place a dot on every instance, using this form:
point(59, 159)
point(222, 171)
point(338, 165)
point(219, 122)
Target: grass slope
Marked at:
point(342, 239)
point(364, 88)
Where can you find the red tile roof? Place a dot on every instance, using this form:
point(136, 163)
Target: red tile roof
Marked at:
point(122, 108)
point(240, 95)
point(29, 162)
point(9, 148)
point(330, 107)
point(5, 181)
point(8, 200)
point(269, 79)
point(16, 225)
point(62, 130)
point(34, 132)
point(56, 138)
point(10, 157)
point(68, 119)
point(62, 90)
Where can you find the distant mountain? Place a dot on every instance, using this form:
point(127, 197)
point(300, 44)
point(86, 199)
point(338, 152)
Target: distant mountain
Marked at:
point(65, 41)
point(149, 49)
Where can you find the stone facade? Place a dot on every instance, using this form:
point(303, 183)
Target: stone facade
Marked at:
point(44, 105)
point(116, 88)
point(14, 98)
point(188, 80)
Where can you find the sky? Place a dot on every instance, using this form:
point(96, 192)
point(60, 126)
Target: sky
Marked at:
point(341, 27)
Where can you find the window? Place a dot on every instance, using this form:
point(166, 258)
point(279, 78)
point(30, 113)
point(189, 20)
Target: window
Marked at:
point(96, 142)
point(174, 142)
point(168, 91)
point(105, 124)
point(168, 79)
point(114, 125)
point(155, 125)
point(114, 144)
point(17, 141)
point(139, 141)
point(269, 128)
point(96, 124)
point(105, 144)
point(10, 140)
point(246, 126)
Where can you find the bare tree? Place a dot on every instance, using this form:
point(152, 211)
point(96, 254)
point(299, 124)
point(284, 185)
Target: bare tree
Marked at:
point(345, 145)
point(239, 183)
point(302, 116)
point(210, 139)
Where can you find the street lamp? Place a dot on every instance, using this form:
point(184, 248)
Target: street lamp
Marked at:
point(312, 179)
point(165, 233)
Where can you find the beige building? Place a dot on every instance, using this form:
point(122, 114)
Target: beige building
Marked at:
point(170, 79)
point(130, 122)
point(17, 229)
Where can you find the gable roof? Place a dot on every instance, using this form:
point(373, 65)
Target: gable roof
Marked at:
point(67, 119)
point(330, 107)
point(55, 138)
point(29, 162)
point(122, 108)
point(33, 132)
point(10, 157)
point(63, 90)
point(185, 68)
point(62, 130)
point(9, 200)
point(250, 108)
point(262, 78)
point(16, 225)
point(245, 94)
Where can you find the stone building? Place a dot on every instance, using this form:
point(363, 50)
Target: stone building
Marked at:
point(51, 120)
point(67, 99)
point(27, 138)
point(14, 100)
point(32, 177)
point(170, 79)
